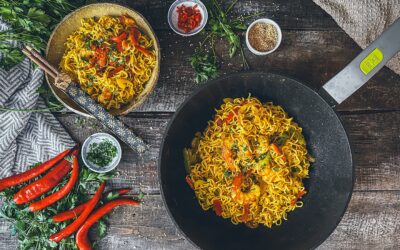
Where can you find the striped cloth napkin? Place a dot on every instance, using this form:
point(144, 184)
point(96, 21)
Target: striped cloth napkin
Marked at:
point(26, 138)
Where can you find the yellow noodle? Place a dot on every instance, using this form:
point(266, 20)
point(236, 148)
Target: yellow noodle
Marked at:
point(108, 90)
point(271, 182)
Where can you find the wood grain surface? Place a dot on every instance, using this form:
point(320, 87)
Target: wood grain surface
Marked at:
point(313, 49)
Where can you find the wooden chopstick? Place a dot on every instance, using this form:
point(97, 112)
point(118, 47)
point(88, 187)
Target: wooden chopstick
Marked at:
point(39, 63)
point(42, 59)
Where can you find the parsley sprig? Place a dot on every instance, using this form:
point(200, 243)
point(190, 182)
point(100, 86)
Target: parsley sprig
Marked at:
point(220, 25)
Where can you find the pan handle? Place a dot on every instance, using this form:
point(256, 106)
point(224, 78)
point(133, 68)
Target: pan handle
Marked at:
point(363, 67)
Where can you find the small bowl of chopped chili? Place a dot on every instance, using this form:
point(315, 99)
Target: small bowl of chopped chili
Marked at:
point(187, 17)
point(101, 152)
point(263, 36)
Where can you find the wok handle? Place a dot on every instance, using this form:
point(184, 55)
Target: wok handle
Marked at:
point(363, 67)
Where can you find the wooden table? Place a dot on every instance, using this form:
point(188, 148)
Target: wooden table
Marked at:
point(314, 49)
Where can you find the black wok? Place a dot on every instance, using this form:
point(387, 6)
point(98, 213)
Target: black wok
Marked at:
point(331, 176)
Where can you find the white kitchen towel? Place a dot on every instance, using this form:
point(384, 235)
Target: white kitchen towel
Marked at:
point(364, 20)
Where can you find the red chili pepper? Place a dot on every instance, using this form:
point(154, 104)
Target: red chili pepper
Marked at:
point(189, 182)
point(217, 207)
point(120, 38)
point(44, 184)
point(143, 50)
point(56, 196)
point(71, 228)
point(82, 239)
point(115, 71)
point(189, 18)
point(32, 173)
point(72, 213)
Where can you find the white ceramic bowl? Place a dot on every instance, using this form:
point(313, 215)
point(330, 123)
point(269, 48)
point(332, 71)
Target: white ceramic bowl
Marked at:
point(279, 39)
point(173, 16)
point(99, 137)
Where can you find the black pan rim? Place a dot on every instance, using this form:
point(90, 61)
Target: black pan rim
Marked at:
point(238, 74)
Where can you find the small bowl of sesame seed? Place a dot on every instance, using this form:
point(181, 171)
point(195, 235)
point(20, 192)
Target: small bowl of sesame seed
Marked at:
point(263, 36)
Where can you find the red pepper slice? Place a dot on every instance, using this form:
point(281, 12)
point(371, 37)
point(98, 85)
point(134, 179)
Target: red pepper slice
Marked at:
point(278, 151)
point(115, 71)
point(230, 116)
point(82, 239)
point(71, 228)
point(119, 47)
point(44, 184)
point(134, 36)
point(299, 195)
point(143, 50)
point(189, 182)
point(217, 207)
point(33, 172)
point(246, 212)
point(120, 38)
point(56, 196)
point(72, 213)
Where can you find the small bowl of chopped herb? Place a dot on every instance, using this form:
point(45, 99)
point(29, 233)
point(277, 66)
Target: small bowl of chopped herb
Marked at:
point(101, 152)
point(263, 36)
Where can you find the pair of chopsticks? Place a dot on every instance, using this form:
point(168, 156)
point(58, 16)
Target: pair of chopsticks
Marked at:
point(35, 56)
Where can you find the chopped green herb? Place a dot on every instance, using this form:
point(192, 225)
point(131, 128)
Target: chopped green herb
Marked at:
point(294, 169)
point(102, 153)
point(227, 173)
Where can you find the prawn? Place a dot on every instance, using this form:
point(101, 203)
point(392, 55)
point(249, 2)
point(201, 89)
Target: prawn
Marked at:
point(242, 197)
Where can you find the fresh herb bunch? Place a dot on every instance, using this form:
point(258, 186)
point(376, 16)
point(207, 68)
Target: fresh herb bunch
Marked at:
point(205, 65)
point(34, 229)
point(102, 153)
point(220, 25)
point(31, 22)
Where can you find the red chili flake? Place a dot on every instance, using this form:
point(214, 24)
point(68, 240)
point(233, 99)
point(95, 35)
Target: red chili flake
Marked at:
point(189, 18)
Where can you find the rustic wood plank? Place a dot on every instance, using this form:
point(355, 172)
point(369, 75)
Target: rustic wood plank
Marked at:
point(371, 222)
point(374, 139)
point(295, 14)
point(310, 56)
